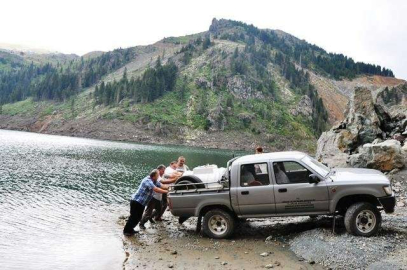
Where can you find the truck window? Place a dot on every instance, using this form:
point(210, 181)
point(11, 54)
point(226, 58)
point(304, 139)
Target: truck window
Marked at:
point(254, 175)
point(290, 172)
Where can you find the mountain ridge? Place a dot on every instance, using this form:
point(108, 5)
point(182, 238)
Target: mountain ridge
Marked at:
point(248, 79)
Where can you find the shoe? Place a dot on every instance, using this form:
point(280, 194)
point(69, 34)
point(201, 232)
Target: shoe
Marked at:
point(131, 233)
point(151, 221)
point(142, 227)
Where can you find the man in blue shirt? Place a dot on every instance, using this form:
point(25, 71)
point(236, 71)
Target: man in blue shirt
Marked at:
point(141, 198)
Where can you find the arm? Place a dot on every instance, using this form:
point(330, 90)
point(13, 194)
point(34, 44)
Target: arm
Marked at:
point(161, 190)
point(174, 177)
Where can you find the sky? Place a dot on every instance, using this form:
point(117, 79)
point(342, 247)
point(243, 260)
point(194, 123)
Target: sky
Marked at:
point(369, 31)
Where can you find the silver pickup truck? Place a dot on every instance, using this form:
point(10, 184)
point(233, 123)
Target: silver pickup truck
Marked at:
point(282, 184)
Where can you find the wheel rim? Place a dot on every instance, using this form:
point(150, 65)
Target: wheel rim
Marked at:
point(218, 224)
point(366, 221)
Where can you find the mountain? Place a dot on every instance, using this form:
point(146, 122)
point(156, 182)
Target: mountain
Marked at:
point(233, 86)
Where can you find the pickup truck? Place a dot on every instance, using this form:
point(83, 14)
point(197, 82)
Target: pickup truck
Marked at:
point(280, 184)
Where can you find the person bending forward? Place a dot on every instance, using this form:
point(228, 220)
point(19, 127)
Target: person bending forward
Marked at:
point(141, 198)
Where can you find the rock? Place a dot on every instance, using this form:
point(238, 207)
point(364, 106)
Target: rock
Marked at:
point(400, 204)
point(311, 262)
point(223, 263)
point(217, 119)
point(304, 108)
point(174, 252)
point(264, 254)
point(384, 156)
point(269, 266)
point(240, 87)
point(217, 258)
point(277, 263)
point(203, 83)
point(170, 265)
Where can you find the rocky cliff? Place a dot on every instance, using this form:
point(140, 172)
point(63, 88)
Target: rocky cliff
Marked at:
point(374, 133)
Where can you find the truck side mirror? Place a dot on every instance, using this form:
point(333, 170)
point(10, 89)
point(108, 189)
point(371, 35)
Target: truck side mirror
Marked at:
point(313, 179)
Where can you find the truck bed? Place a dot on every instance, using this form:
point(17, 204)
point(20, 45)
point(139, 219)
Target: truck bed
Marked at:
point(188, 203)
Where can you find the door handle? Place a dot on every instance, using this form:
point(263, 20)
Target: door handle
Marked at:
point(245, 192)
point(281, 190)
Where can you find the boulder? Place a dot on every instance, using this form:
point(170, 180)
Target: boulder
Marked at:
point(384, 156)
point(369, 137)
point(333, 147)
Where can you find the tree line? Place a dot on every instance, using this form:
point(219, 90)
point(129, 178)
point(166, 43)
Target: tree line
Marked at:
point(59, 82)
point(307, 55)
point(154, 83)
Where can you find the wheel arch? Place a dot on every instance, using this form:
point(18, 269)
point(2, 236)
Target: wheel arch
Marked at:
point(345, 202)
point(205, 209)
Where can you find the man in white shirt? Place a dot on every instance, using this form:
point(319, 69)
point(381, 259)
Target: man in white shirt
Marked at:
point(181, 166)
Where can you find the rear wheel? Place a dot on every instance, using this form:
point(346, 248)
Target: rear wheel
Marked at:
point(218, 224)
point(362, 219)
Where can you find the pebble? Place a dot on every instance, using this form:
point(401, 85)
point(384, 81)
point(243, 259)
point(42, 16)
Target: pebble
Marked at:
point(264, 254)
point(170, 265)
point(174, 252)
point(268, 266)
point(223, 263)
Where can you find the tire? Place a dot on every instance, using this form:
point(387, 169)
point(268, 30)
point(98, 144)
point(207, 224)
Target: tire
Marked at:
point(218, 224)
point(362, 219)
point(193, 181)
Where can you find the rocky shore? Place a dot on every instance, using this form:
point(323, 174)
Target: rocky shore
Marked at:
point(120, 130)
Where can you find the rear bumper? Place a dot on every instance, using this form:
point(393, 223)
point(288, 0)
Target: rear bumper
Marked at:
point(388, 203)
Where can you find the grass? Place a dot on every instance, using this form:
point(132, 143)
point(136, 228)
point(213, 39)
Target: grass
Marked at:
point(24, 107)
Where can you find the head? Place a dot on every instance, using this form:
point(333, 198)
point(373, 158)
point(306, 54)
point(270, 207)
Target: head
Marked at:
point(173, 165)
point(259, 150)
point(154, 175)
point(161, 169)
point(181, 161)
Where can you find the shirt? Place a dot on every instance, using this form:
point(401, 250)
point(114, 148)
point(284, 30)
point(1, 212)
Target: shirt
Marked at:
point(156, 195)
point(168, 172)
point(144, 192)
point(184, 168)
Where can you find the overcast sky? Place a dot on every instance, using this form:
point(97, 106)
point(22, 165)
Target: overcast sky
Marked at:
point(370, 31)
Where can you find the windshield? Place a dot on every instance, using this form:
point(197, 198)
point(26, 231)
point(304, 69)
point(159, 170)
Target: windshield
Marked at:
point(317, 166)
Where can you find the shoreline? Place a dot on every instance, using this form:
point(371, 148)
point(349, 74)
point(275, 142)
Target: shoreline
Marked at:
point(123, 131)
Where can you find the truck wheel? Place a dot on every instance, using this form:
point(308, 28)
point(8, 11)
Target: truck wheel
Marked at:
point(192, 181)
point(362, 219)
point(218, 224)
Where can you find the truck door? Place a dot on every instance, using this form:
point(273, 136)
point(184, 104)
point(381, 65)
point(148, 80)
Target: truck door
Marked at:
point(294, 193)
point(255, 191)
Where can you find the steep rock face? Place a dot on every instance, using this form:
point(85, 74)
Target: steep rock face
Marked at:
point(304, 107)
point(358, 140)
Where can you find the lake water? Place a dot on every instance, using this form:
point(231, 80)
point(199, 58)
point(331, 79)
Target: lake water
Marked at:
point(61, 197)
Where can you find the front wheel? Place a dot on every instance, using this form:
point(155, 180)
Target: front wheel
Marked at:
point(362, 219)
point(218, 224)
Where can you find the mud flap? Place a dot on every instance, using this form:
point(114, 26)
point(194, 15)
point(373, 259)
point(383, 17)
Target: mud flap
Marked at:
point(199, 224)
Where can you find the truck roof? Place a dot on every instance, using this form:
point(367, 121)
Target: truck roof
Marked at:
point(270, 156)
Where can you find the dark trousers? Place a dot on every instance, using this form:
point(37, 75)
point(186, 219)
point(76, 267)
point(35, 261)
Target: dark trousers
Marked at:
point(164, 204)
point(154, 204)
point(136, 212)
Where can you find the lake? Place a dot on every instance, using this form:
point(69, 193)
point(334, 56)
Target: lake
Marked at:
point(61, 197)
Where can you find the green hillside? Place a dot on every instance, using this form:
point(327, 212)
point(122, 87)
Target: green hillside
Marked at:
point(233, 78)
